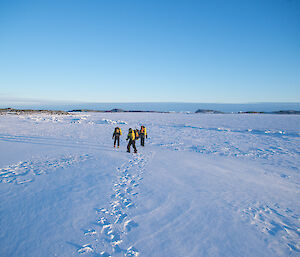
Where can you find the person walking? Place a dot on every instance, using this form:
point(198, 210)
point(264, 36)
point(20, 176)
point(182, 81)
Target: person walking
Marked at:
point(143, 134)
point(131, 138)
point(116, 136)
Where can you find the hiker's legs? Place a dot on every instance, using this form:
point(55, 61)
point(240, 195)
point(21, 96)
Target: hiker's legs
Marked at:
point(133, 145)
point(128, 146)
point(142, 140)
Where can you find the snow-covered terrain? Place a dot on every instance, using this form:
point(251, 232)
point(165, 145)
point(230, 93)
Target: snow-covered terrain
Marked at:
point(203, 185)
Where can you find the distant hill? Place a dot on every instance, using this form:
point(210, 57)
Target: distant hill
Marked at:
point(287, 112)
point(207, 111)
point(117, 110)
point(275, 112)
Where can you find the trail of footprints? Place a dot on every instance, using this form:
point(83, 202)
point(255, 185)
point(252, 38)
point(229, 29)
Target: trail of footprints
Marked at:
point(24, 172)
point(274, 220)
point(114, 221)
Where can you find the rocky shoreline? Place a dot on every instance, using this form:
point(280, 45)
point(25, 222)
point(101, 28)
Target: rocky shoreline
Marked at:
point(29, 111)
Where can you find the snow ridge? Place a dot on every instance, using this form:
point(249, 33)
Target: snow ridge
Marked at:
point(114, 222)
point(271, 146)
point(267, 132)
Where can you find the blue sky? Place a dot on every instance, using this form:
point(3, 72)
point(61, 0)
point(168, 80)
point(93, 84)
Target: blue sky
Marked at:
point(150, 51)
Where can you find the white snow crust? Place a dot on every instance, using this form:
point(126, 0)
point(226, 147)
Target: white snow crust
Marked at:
point(203, 185)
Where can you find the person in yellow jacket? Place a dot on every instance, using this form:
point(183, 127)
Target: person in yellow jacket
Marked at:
point(143, 134)
point(116, 136)
point(131, 138)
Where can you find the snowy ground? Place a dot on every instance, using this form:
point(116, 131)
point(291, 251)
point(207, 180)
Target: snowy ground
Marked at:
point(204, 185)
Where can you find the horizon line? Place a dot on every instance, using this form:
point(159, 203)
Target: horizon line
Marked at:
point(28, 101)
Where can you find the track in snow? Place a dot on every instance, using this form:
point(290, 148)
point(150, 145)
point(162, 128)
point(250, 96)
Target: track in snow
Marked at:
point(25, 172)
point(274, 220)
point(49, 141)
point(114, 221)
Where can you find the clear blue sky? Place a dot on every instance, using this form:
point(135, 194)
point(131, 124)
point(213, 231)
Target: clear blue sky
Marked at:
point(150, 51)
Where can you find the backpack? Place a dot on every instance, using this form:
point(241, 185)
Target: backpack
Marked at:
point(118, 131)
point(136, 134)
point(143, 130)
point(132, 135)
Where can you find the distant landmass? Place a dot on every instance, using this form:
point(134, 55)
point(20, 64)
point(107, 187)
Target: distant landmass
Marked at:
point(157, 107)
point(250, 112)
point(59, 112)
point(30, 111)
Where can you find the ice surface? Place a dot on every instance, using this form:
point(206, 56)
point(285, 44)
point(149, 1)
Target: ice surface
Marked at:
point(204, 185)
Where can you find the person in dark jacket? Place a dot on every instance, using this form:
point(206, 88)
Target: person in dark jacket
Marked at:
point(116, 136)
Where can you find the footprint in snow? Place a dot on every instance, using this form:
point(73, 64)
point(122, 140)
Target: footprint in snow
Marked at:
point(90, 232)
point(107, 229)
point(120, 217)
point(129, 225)
point(102, 221)
point(105, 254)
point(85, 249)
point(131, 252)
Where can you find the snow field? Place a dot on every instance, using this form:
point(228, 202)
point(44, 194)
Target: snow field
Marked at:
point(204, 185)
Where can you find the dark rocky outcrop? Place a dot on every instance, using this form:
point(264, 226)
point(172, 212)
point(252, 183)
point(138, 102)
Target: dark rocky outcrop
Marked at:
point(208, 111)
point(116, 110)
point(287, 112)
